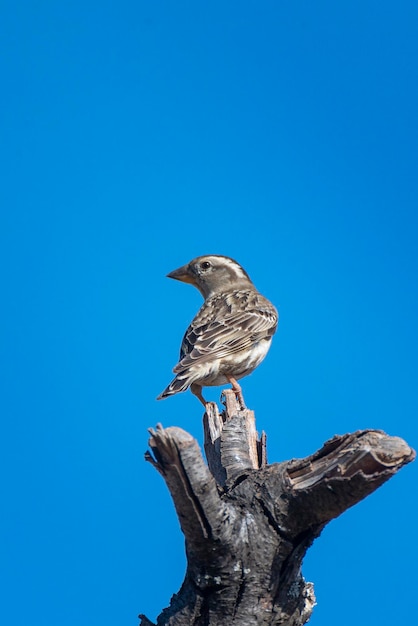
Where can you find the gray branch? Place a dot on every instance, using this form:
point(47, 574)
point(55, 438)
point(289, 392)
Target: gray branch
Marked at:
point(248, 524)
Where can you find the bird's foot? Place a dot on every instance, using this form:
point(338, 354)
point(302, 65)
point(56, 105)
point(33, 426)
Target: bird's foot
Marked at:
point(233, 401)
point(210, 407)
point(240, 399)
point(197, 391)
point(236, 388)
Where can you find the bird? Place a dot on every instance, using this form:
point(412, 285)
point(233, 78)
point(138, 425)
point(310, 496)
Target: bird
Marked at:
point(230, 334)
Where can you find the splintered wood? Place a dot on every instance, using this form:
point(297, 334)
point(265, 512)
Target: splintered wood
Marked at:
point(248, 524)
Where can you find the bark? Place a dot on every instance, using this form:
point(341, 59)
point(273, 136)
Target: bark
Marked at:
point(248, 524)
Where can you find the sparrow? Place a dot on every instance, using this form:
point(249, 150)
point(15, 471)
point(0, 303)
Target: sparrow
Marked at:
point(231, 333)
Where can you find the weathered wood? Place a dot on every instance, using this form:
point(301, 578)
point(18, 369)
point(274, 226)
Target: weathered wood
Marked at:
point(232, 444)
point(248, 524)
point(212, 428)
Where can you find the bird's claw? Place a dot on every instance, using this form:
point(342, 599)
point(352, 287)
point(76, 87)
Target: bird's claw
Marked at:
point(240, 399)
point(233, 400)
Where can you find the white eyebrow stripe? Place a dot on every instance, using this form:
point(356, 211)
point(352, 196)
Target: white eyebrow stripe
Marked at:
point(233, 265)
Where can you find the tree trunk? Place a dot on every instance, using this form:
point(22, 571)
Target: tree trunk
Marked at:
point(248, 524)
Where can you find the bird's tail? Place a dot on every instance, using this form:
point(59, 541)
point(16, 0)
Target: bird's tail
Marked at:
point(177, 385)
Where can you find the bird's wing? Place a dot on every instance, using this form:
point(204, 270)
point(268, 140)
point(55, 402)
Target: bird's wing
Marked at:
point(225, 335)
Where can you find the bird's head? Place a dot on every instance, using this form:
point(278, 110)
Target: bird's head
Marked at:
point(212, 274)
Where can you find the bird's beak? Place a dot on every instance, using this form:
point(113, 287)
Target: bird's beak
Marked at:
point(182, 273)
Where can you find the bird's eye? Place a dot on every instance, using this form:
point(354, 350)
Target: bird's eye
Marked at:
point(205, 265)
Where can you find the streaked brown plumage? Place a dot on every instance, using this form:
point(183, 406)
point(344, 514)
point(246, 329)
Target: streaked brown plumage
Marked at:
point(231, 333)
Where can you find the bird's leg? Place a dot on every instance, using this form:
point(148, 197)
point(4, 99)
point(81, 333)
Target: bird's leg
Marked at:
point(236, 388)
point(197, 391)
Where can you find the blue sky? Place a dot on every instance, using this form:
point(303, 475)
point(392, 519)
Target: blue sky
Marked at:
point(135, 136)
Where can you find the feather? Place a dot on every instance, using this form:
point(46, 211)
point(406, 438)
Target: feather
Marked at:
point(232, 331)
point(227, 328)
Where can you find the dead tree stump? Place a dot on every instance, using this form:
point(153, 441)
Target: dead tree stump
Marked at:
point(248, 524)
